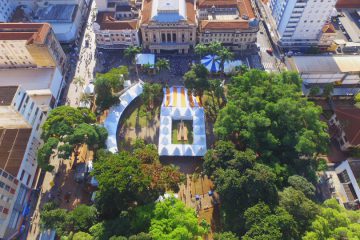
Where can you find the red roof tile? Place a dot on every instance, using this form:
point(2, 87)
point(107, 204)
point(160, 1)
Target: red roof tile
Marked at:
point(226, 25)
point(107, 21)
point(350, 122)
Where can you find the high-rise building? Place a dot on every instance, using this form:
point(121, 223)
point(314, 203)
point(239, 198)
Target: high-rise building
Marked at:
point(300, 22)
point(21, 115)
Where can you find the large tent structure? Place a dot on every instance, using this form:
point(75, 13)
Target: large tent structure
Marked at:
point(115, 112)
point(180, 104)
point(212, 63)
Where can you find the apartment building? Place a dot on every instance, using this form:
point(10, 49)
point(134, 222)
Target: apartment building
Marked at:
point(21, 115)
point(6, 10)
point(24, 45)
point(300, 22)
point(117, 25)
point(168, 25)
point(231, 22)
point(31, 56)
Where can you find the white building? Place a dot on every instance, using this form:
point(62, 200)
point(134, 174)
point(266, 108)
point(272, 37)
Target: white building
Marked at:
point(21, 115)
point(115, 34)
point(6, 10)
point(300, 22)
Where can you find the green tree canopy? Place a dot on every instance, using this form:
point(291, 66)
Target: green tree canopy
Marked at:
point(122, 183)
point(173, 220)
point(82, 236)
point(64, 129)
point(152, 94)
point(225, 236)
point(334, 222)
point(303, 185)
point(266, 112)
point(196, 79)
point(299, 206)
point(107, 84)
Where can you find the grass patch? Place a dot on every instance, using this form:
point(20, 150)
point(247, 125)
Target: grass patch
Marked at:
point(174, 132)
point(140, 117)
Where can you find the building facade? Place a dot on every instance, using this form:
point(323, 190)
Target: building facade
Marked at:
point(168, 25)
point(31, 56)
point(300, 22)
point(230, 22)
point(20, 120)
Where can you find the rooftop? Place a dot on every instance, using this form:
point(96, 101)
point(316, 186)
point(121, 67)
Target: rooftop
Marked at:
point(326, 64)
point(107, 21)
point(57, 13)
point(217, 3)
point(154, 10)
point(7, 94)
point(348, 4)
point(349, 118)
point(27, 78)
point(13, 144)
point(224, 25)
point(32, 32)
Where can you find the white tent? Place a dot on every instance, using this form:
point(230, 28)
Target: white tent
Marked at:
point(145, 58)
point(229, 66)
point(115, 112)
point(89, 89)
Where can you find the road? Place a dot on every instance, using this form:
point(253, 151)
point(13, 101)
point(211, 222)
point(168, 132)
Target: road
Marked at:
point(270, 63)
point(86, 63)
point(84, 68)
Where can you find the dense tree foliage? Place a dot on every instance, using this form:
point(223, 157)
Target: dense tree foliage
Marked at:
point(225, 236)
point(196, 79)
point(107, 84)
point(303, 185)
point(334, 222)
point(173, 221)
point(66, 128)
point(266, 112)
point(152, 95)
point(64, 222)
point(127, 179)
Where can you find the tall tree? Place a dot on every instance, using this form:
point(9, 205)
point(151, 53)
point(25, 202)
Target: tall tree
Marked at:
point(122, 183)
point(224, 56)
point(174, 221)
point(201, 49)
point(267, 114)
point(79, 82)
point(162, 64)
point(334, 222)
point(196, 79)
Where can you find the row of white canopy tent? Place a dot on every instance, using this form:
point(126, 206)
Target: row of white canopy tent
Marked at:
point(179, 112)
point(115, 112)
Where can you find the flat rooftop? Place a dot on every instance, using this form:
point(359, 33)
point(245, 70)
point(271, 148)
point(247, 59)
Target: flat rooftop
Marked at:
point(27, 78)
point(7, 94)
point(325, 64)
point(64, 13)
point(32, 32)
point(13, 144)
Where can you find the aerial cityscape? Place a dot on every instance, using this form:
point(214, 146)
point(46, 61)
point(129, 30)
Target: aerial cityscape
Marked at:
point(180, 119)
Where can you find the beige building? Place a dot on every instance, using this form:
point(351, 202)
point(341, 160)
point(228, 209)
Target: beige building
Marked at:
point(168, 25)
point(115, 34)
point(24, 45)
point(231, 22)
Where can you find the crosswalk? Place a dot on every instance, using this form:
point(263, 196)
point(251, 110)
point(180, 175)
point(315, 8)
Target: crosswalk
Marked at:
point(268, 65)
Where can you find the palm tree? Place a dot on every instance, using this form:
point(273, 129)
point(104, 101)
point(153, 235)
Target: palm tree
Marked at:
point(162, 64)
point(242, 69)
point(79, 82)
point(215, 48)
point(201, 49)
point(130, 54)
point(224, 56)
point(146, 67)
